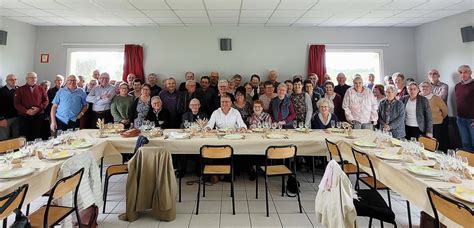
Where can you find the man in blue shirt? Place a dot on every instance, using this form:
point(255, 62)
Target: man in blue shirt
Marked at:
point(69, 105)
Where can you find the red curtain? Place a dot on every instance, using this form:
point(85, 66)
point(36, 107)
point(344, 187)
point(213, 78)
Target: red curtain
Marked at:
point(317, 61)
point(133, 61)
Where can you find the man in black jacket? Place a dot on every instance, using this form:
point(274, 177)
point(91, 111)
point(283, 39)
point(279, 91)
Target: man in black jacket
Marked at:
point(206, 96)
point(8, 114)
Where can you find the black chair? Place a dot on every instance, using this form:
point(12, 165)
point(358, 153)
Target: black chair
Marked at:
point(284, 154)
point(370, 203)
point(346, 167)
point(119, 169)
point(11, 202)
point(216, 153)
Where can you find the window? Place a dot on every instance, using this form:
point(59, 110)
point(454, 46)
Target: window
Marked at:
point(351, 62)
point(82, 61)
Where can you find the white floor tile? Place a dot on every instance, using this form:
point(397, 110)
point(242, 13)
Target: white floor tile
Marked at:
point(239, 195)
point(146, 220)
point(259, 207)
point(238, 220)
point(261, 220)
point(287, 207)
point(295, 220)
point(185, 207)
point(205, 220)
point(112, 221)
point(210, 207)
point(182, 220)
point(241, 207)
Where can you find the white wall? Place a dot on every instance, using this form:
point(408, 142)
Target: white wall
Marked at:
point(439, 45)
point(172, 51)
point(18, 55)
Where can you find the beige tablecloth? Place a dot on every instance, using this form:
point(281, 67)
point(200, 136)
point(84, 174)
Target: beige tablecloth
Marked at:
point(393, 175)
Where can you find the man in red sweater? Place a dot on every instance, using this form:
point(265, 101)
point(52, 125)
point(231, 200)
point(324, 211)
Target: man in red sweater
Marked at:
point(464, 92)
point(30, 101)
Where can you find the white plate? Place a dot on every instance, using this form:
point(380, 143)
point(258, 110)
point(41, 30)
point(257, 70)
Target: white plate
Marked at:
point(81, 145)
point(335, 130)
point(16, 172)
point(301, 129)
point(177, 135)
point(258, 130)
point(60, 155)
point(389, 156)
point(424, 171)
point(276, 136)
point(365, 144)
point(463, 193)
point(233, 136)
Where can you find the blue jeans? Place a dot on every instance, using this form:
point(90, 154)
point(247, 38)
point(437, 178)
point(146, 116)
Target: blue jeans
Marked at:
point(466, 132)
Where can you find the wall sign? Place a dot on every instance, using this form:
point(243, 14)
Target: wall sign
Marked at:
point(44, 58)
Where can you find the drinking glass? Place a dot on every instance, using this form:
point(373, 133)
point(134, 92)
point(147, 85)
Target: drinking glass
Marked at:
point(280, 126)
point(451, 153)
point(339, 124)
point(9, 157)
point(333, 124)
point(295, 124)
point(300, 125)
point(464, 162)
point(413, 139)
point(274, 126)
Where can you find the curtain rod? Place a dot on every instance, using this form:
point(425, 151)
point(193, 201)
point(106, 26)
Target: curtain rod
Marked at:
point(353, 45)
point(93, 44)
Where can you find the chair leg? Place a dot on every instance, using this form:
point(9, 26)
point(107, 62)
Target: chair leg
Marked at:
point(101, 167)
point(266, 195)
point(389, 200)
point(78, 218)
point(199, 194)
point(203, 187)
point(5, 222)
point(106, 188)
point(381, 223)
point(313, 168)
point(282, 186)
point(299, 199)
point(409, 214)
point(256, 184)
point(370, 222)
point(232, 193)
point(179, 189)
point(27, 209)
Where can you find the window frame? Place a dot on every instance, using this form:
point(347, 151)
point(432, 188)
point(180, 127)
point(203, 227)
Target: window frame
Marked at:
point(367, 50)
point(88, 49)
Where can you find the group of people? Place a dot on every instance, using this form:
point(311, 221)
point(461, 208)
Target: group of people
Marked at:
point(401, 106)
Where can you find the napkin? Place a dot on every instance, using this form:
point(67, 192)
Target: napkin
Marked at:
point(467, 173)
point(400, 151)
point(455, 179)
point(178, 135)
point(423, 156)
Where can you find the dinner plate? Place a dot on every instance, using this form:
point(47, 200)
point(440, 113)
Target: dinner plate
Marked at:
point(388, 156)
point(365, 144)
point(16, 172)
point(276, 136)
point(303, 129)
point(59, 155)
point(177, 135)
point(463, 193)
point(335, 130)
point(233, 136)
point(80, 144)
point(258, 130)
point(424, 171)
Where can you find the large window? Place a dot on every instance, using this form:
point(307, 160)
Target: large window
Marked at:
point(82, 61)
point(351, 62)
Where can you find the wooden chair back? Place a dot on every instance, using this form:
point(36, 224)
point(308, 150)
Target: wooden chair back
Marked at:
point(430, 144)
point(67, 184)
point(12, 201)
point(216, 152)
point(12, 144)
point(333, 150)
point(281, 152)
point(468, 155)
point(456, 211)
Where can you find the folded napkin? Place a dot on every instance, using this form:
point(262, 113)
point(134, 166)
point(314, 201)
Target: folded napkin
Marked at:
point(178, 135)
point(455, 179)
point(467, 173)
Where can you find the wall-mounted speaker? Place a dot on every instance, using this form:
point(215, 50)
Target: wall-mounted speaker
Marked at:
point(226, 44)
point(467, 34)
point(3, 37)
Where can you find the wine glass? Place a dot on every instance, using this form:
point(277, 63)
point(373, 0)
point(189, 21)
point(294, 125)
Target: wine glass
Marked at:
point(464, 162)
point(338, 124)
point(9, 157)
point(274, 126)
point(451, 153)
point(333, 124)
point(295, 124)
point(280, 126)
point(300, 125)
point(413, 139)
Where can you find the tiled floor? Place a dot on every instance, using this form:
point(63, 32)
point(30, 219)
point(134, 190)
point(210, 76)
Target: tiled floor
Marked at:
point(216, 208)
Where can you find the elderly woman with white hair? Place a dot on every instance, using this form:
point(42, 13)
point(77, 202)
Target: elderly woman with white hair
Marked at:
point(392, 113)
point(360, 106)
point(323, 119)
point(439, 111)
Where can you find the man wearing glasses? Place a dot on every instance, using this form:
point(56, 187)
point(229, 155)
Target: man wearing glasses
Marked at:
point(440, 89)
point(8, 113)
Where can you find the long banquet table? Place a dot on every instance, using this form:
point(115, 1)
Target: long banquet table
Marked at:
point(392, 174)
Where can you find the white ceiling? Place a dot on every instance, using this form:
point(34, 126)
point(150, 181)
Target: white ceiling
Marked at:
point(283, 13)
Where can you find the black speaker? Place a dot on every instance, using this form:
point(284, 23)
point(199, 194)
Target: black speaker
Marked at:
point(226, 44)
point(3, 37)
point(467, 34)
